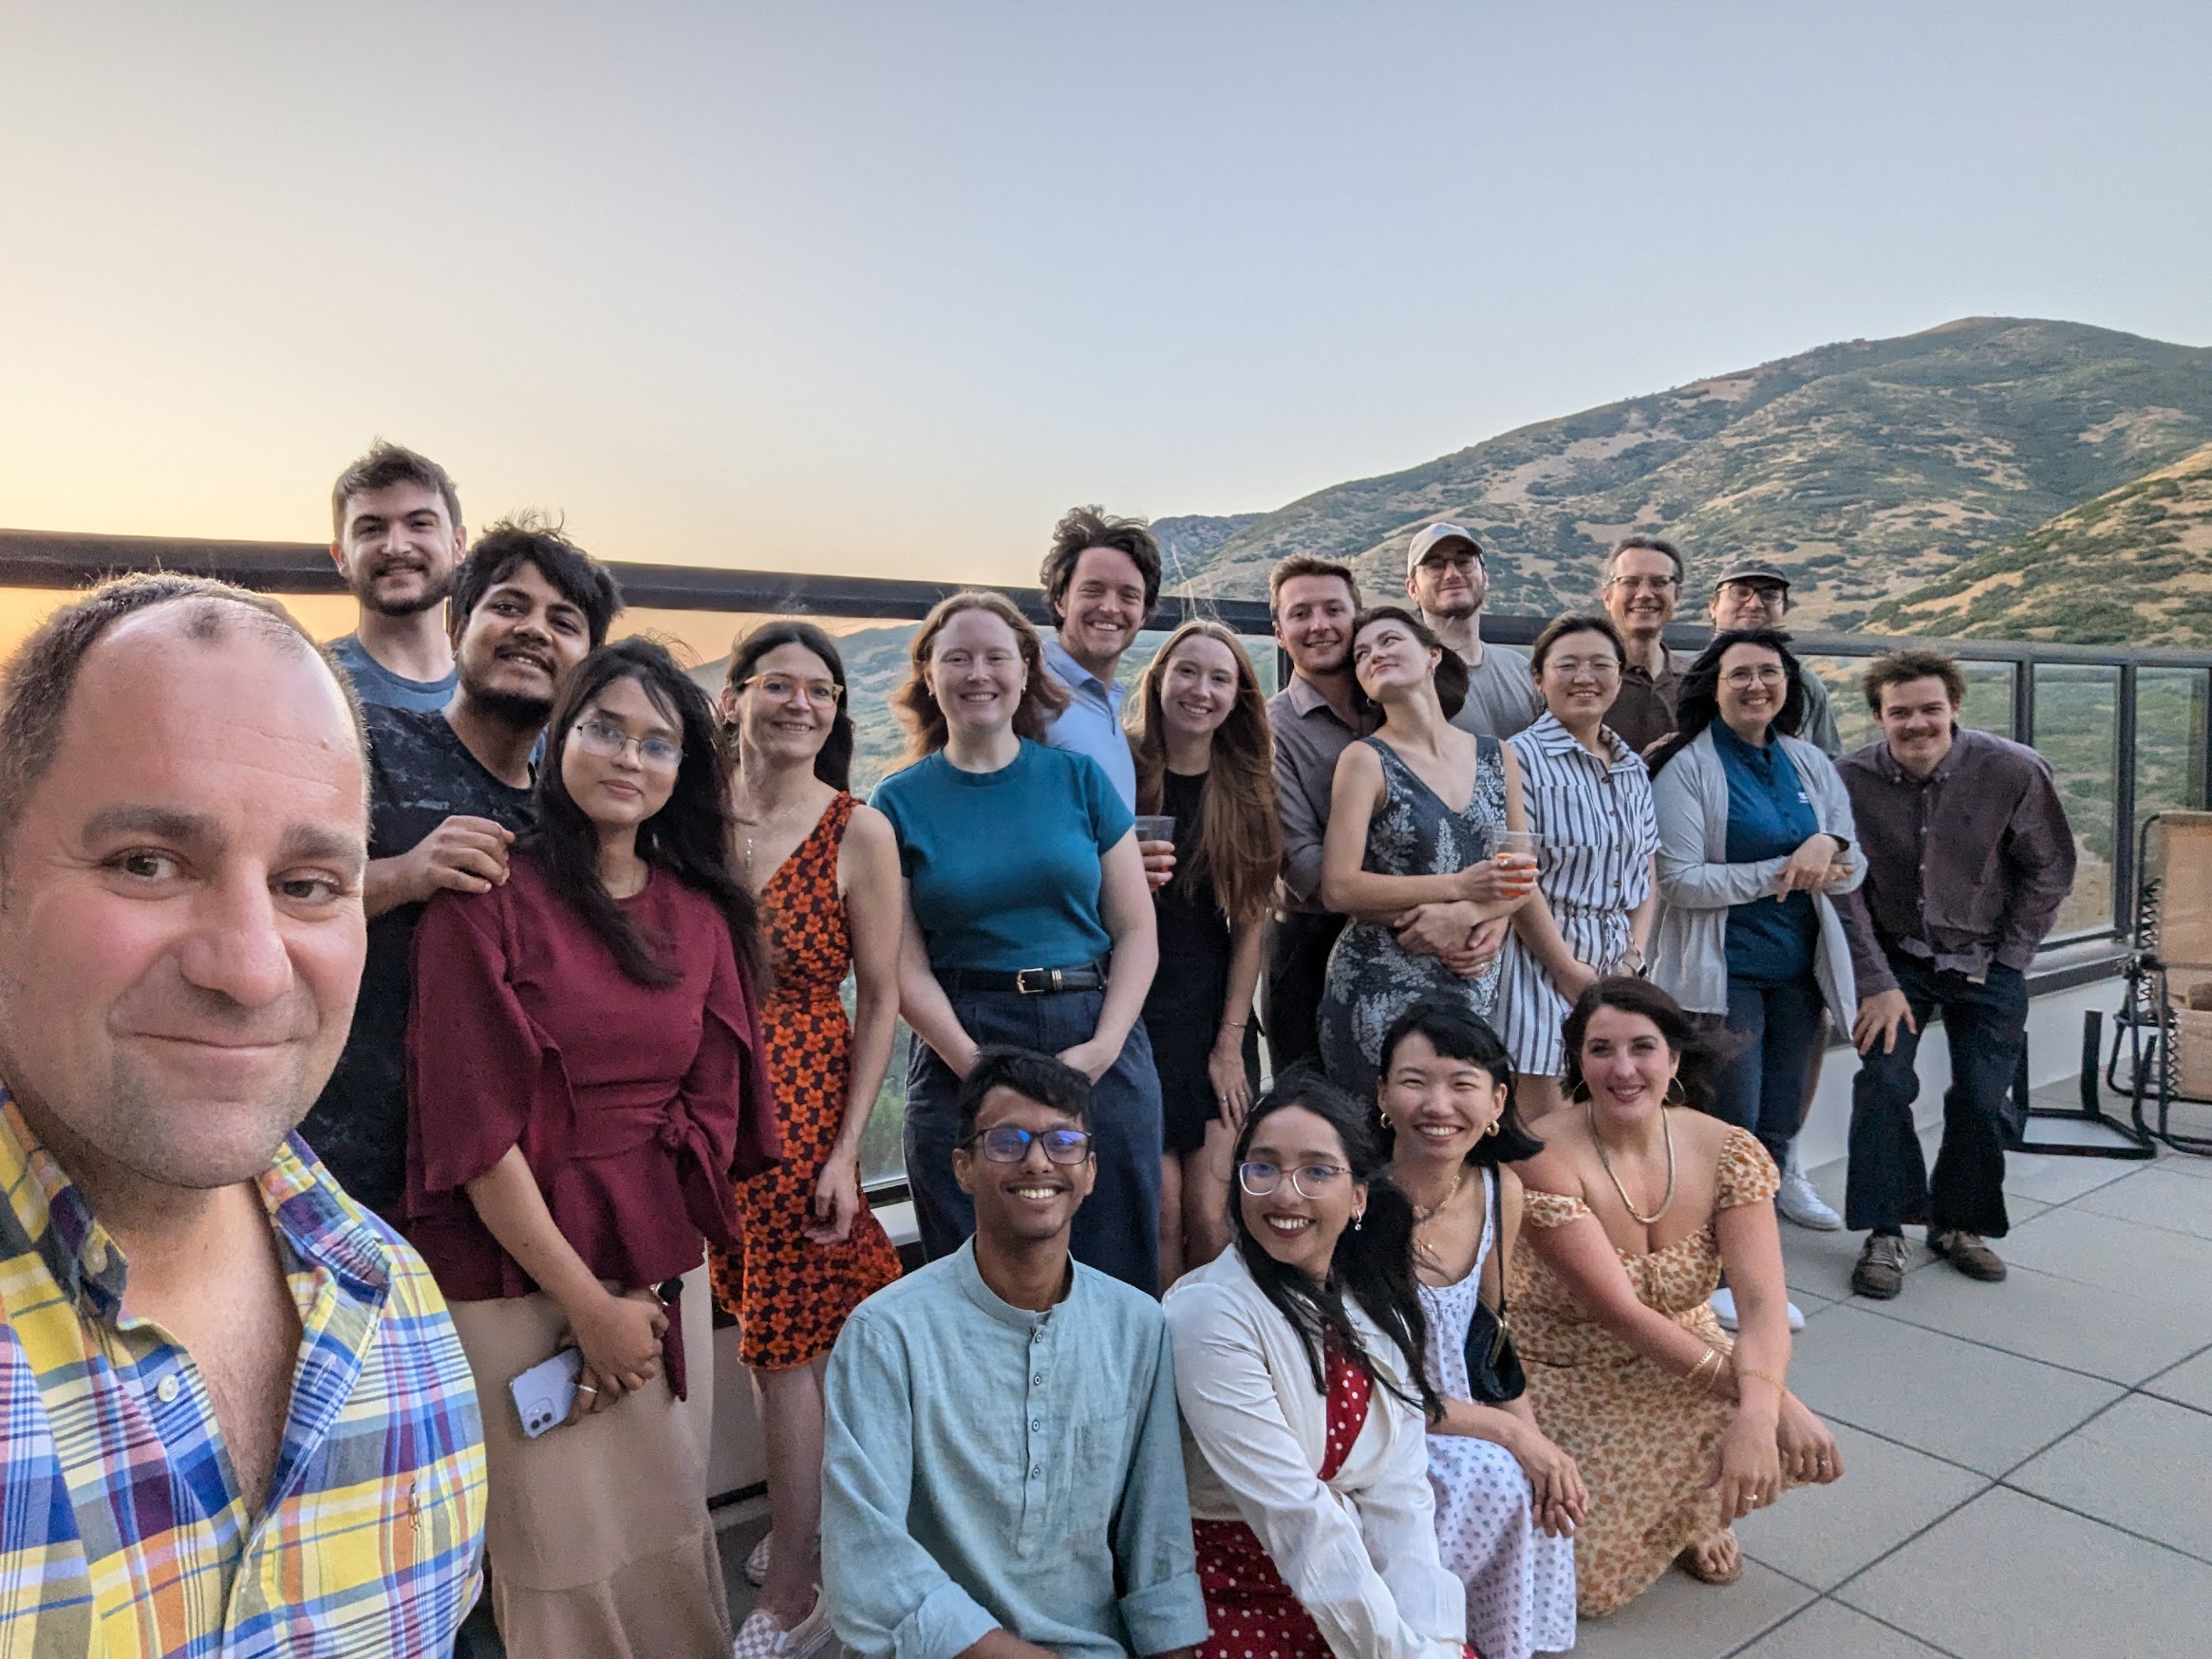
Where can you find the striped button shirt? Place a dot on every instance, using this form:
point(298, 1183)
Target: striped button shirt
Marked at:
point(121, 1533)
point(1595, 817)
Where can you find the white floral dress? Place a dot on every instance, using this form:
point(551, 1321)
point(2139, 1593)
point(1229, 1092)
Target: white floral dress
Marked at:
point(1520, 1582)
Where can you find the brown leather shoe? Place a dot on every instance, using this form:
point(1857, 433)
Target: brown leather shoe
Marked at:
point(1881, 1270)
point(1969, 1255)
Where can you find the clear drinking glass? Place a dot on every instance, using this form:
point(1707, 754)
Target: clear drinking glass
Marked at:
point(1516, 852)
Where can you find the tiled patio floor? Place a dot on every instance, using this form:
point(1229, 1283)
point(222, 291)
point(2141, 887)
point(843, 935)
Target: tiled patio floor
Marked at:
point(2029, 1464)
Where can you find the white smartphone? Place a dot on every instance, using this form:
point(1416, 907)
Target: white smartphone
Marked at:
point(544, 1392)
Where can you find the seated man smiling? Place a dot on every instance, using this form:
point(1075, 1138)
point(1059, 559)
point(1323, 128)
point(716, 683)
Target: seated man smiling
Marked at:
point(1002, 1477)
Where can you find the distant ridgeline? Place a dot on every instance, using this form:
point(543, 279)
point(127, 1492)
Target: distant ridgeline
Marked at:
point(1994, 477)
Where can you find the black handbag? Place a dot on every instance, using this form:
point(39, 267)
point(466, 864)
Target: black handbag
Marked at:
point(1493, 1370)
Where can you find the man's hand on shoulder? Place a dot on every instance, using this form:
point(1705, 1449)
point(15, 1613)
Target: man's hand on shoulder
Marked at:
point(468, 855)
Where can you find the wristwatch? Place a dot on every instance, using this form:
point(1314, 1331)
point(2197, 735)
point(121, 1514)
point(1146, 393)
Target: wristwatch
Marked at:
point(1633, 962)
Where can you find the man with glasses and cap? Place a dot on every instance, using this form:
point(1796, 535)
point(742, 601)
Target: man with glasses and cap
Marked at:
point(1447, 577)
point(995, 1417)
point(1753, 593)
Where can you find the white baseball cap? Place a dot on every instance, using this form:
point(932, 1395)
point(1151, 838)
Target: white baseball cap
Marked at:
point(1426, 542)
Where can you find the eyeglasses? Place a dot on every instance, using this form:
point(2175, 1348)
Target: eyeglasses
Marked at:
point(1764, 594)
point(777, 688)
point(610, 743)
point(1571, 666)
point(1643, 584)
point(1007, 1144)
point(1312, 1181)
point(1767, 674)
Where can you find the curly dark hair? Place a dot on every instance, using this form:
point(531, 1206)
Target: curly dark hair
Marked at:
point(1700, 705)
point(1084, 528)
point(529, 538)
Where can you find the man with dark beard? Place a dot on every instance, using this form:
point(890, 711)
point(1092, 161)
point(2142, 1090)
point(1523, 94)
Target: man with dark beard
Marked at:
point(448, 790)
point(396, 519)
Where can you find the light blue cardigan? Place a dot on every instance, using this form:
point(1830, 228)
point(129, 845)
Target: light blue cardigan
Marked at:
point(1697, 885)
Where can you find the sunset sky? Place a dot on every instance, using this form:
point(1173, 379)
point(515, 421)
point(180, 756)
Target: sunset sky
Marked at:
point(884, 288)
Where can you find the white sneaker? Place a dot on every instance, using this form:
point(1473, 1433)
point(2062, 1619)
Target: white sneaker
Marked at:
point(1724, 1310)
point(1798, 1202)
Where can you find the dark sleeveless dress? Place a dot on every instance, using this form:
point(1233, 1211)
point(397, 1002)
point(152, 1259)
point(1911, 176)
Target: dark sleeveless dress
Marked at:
point(790, 1294)
point(1372, 978)
point(1182, 1011)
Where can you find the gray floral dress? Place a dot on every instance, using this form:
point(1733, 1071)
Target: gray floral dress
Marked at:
point(1372, 978)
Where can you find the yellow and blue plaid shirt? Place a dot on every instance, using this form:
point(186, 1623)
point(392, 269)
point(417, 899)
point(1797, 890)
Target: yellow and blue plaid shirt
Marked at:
point(121, 1533)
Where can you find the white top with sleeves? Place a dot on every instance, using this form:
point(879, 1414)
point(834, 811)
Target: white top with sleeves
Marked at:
point(1358, 1552)
point(1697, 886)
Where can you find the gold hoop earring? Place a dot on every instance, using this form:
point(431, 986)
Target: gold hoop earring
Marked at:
point(1578, 1094)
point(1676, 1094)
point(1494, 1123)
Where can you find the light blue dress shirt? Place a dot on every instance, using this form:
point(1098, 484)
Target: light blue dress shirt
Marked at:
point(986, 1467)
point(1091, 724)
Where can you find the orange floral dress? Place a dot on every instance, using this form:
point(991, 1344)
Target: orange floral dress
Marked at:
point(1643, 1437)
point(790, 1294)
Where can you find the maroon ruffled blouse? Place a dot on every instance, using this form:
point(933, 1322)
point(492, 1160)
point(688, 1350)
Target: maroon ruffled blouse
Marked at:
point(636, 1107)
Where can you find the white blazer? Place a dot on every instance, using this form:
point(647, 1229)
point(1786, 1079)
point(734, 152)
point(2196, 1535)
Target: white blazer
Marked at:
point(1359, 1552)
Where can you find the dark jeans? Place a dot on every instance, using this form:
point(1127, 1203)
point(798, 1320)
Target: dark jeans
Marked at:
point(1776, 1030)
point(1986, 1026)
point(1290, 999)
point(1117, 1230)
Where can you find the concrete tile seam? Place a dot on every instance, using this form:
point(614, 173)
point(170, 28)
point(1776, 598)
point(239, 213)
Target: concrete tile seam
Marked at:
point(1887, 1311)
point(1857, 1612)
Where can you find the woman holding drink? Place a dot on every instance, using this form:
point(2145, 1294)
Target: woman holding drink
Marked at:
point(1420, 817)
point(1589, 797)
point(1206, 767)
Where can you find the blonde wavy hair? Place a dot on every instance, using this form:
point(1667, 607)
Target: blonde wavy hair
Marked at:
point(1240, 839)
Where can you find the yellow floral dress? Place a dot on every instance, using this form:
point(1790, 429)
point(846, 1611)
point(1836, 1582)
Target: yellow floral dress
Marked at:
point(1641, 1437)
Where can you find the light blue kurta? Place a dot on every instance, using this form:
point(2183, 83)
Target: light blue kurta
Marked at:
point(989, 1468)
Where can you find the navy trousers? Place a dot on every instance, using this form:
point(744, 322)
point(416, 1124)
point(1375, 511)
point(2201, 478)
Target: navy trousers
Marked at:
point(1986, 1026)
point(1761, 1086)
point(1118, 1229)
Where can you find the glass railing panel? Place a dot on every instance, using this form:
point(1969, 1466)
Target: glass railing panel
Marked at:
point(2171, 708)
point(1988, 705)
point(1989, 697)
point(2076, 730)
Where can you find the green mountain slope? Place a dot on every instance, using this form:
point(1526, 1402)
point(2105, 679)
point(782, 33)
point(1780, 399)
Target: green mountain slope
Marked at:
point(1868, 469)
point(2133, 567)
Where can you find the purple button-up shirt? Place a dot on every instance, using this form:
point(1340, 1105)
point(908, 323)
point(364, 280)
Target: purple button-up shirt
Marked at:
point(1969, 864)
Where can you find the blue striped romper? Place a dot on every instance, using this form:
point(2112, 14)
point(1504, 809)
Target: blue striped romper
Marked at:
point(1599, 833)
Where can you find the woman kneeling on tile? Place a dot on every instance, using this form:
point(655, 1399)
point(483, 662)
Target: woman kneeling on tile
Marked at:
point(1633, 1210)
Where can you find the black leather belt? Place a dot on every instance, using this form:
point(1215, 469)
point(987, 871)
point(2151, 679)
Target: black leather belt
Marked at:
point(1028, 982)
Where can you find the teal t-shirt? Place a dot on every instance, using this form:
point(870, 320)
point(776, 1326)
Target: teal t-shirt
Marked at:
point(1003, 866)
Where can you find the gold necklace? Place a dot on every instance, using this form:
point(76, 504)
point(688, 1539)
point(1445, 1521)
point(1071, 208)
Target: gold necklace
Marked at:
point(1421, 1215)
point(761, 820)
point(1666, 1132)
